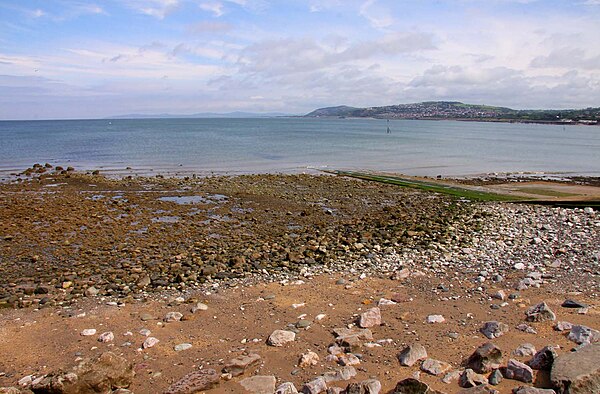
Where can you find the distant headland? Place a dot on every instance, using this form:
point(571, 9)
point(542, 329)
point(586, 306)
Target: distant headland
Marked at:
point(454, 110)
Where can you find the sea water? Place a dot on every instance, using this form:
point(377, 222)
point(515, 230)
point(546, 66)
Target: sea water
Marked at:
point(291, 145)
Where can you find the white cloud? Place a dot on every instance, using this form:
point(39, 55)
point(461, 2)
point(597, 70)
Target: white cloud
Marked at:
point(377, 15)
point(156, 8)
point(215, 7)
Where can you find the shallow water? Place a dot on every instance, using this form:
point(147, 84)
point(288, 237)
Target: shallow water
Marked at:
point(292, 145)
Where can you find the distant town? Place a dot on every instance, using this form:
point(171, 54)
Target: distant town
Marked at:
point(459, 111)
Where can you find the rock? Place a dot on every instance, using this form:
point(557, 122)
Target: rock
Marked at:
point(10, 390)
point(539, 313)
point(286, 388)
point(106, 337)
point(363, 334)
point(370, 318)
point(239, 365)
point(173, 316)
point(486, 358)
point(531, 390)
point(493, 329)
point(348, 359)
point(88, 332)
point(199, 307)
point(345, 373)
point(147, 317)
point(259, 384)
point(182, 346)
point(194, 382)
point(583, 335)
point(577, 372)
point(495, 377)
point(308, 359)
point(144, 281)
point(434, 367)
point(411, 354)
point(412, 386)
point(524, 350)
point(145, 332)
point(370, 386)
point(518, 371)
point(303, 324)
point(484, 389)
point(543, 359)
point(451, 376)
point(431, 319)
point(149, 342)
point(563, 326)
point(573, 304)
point(470, 378)
point(91, 291)
point(499, 295)
point(526, 328)
point(281, 337)
point(315, 386)
point(519, 266)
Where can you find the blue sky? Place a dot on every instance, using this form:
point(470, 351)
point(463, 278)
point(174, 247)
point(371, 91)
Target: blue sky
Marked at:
point(86, 59)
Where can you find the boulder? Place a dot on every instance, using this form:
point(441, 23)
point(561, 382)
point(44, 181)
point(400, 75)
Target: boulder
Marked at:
point(470, 378)
point(583, 335)
point(259, 384)
point(484, 389)
point(486, 358)
point(286, 388)
point(411, 354)
point(524, 350)
point(315, 386)
point(237, 366)
point(543, 359)
point(194, 382)
point(539, 313)
point(412, 386)
point(518, 371)
point(370, 386)
point(577, 372)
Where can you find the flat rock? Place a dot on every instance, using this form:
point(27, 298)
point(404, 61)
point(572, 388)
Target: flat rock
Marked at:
point(370, 318)
point(525, 350)
point(281, 337)
point(411, 354)
point(286, 388)
point(431, 319)
point(194, 382)
point(573, 304)
point(199, 307)
point(370, 386)
point(470, 378)
point(182, 346)
point(563, 326)
point(518, 371)
point(106, 337)
point(315, 386)
point(539, 313)
point(259, 384)
point(483, 389)
point(434, 367)
point(150, 342)
point(173, 316)
point(493, 329)
point(583, 335)
point(412, 386)
point(238, 366)
point(344, 373)
point(543, 359)
point(88, 332)
point(577, 372)
point(531, 390)
point(486, 358)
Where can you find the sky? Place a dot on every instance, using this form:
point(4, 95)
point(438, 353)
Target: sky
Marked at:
point(63, 59)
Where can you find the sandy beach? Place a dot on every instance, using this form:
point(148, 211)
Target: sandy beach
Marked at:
point(212, 267)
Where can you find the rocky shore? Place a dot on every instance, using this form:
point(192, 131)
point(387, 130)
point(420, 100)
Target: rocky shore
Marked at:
point(315, 283)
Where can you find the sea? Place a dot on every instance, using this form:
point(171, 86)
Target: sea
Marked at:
point(297, 145)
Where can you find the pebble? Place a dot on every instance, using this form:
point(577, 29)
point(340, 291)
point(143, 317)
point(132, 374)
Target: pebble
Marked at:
point(280, 337)
point(150, 342)
point(88, 332)
point(173, 317)
point(493, 329)
point(431, 319)
point(182, 346)
point(308, 359)
point(106, 337)
point(199, 307)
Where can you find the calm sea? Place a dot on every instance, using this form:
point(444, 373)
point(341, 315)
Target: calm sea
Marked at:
point(293, 145)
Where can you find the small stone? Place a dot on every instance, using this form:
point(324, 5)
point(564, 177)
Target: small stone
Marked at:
point(431, 319)
point(525, 350)
point(526, 328)
point(563, 326)
point(583, 335)
point(540, 313)
point(88, 332)
point(182, 346)
point(315, 386)
point(281, 337)
point(200, 380)
point(348, 359)
point(320, 317)
point(543, 359)
point(370, 318)
point(199, 307)
point(149, 342)
point(91, 291)
point(495, 377)
point(145, 332)
point(286, 388)
point(486, 358)
point(519, 266)
point(499, 295)
point(303, 324)
point(259, 384)
point(106, 337)
point(434, 367)
point(518, 371)
point(173, 317)
point(470, 378)
point(493, 329)
point(241, 364)
point(573, 304)
point(308, 359)
point(411, 354)
point(344, 373)
point(451, 376)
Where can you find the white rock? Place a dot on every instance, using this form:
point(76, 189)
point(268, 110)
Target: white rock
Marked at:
point(281, 337)
point(149, 342)
point(182, 346)
point(106, 337)
point(435, 319)
point(88, 332)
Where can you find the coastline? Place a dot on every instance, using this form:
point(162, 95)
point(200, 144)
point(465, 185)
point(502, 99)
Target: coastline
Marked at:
point(84, 251)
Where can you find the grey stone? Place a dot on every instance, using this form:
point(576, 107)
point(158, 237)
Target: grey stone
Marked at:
point(370, 318)
point(524, 350)
point(486, 358)
point(370, 386)
point(495, 377)
point(434, 367)
point(518, 371)
point(194, 382)
point(483, 389)
point(493, 329)
point(563, 326)
point(259, 384)
point(173, 316)
point(286, 388)
point(182, 346)
point(531, 390)
point(470, 378)
point(411, 354)
point(344, 373)
point(539, 313)
point(543, 359)
point(583, 335)
point(577, 372)
point(573, 304)
point(281, 337)
point(315, 386)
point(237, 366)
